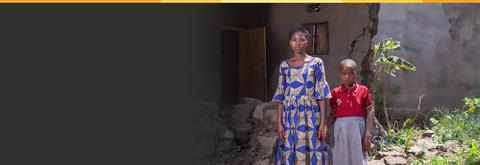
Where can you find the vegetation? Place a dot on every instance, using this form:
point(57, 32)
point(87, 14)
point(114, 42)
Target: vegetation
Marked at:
point(461, 126)
point(386, 66)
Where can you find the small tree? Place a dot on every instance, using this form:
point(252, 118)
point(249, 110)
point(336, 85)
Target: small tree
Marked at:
point(386, 66)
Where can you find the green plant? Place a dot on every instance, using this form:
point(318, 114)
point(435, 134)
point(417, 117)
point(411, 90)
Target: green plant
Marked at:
point(473, 153)
point(386, 66)
point(472, 103)
point(462, 126)
point(417, 161)
point(438, 160)
point(404, 135)
point(387, 63)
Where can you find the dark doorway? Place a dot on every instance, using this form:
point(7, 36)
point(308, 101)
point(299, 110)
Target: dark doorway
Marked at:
point(229, 70)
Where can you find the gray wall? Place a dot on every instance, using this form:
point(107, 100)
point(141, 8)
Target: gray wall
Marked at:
point(347, 22)
point(446, 37)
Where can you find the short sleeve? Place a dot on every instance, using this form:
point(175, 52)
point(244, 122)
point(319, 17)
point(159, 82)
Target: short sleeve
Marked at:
point(282, 83)
point(333, 101)
point(322, 90)
point(367, 100)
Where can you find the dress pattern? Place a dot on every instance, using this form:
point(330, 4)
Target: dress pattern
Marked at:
point(298, 89)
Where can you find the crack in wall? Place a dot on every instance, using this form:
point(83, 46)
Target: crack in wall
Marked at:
point(367, 73)
point(354, 42)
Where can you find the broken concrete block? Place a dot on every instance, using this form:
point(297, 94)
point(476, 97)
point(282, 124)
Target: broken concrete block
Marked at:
point(394, 160)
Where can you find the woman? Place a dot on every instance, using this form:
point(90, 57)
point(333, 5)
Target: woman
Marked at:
point(300, 96)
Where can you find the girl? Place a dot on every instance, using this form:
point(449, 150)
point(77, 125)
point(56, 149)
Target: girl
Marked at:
point(300, 96)
point(351, 114)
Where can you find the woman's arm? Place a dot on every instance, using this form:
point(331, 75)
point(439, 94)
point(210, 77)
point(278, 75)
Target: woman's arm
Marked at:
point(280, 129)
point(323, 107)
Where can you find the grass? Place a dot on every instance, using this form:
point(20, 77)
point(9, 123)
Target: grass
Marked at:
point(461, 125)
point(402, 135)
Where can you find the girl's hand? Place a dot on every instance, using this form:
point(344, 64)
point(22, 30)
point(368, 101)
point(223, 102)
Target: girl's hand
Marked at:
point(322, 133)
point(281, 132)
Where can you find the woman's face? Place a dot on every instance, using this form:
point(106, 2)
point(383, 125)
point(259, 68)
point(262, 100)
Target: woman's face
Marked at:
point(298, 42)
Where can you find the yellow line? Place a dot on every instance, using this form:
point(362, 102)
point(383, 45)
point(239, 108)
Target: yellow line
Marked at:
point(239, 1)
point(191, 1)
point(381, 1)
point(170, 1)
point(281, 1)
point(451, 1)
point(80, 1)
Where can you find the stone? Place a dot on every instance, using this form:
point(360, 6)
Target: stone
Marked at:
point(376, 162)
point(428, 155)
point(258, 113)
point(267, 142)
point(441, 147)
point(394, 160)
point(410, 159)
point(425, 143)
point(224, 146)
point(392, 154)
point(241, 113)
point(416, 151)
point(242, 132)
point(265, 111)
point(251, 101)
point(228, 134)
point(266, 116)
point(270, 115)
point(451, 145)
point(437, 147)
point(428, 133)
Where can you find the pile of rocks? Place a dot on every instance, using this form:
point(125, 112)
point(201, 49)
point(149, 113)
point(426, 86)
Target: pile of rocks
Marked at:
point(424, 146)
point(392, 157)
point(207, 128)
point(247, 134)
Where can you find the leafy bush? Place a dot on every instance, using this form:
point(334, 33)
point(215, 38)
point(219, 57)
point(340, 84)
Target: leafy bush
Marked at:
point(404, 134)
point(462, 126)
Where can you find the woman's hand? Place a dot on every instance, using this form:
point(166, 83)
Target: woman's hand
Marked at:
point(322, 132)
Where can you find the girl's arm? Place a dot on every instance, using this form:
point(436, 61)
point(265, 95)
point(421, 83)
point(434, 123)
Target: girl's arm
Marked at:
point(331, 118)
point(368, 128)
point(369, 116)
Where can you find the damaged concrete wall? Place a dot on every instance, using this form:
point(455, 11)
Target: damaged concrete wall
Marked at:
point(349, 36)
point(445, 41)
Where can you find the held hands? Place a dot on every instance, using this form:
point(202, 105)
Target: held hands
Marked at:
point(322, 132)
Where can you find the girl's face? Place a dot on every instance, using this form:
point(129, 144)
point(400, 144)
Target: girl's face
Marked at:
point(348, 75)
point(298, 42)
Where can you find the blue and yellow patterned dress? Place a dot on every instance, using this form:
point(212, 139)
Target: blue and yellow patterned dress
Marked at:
point(298, 89)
